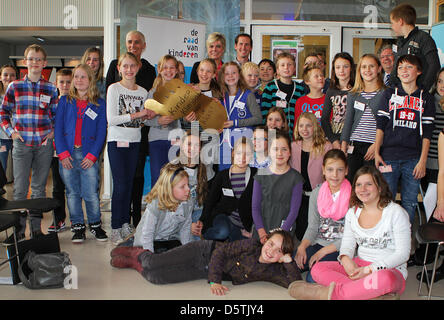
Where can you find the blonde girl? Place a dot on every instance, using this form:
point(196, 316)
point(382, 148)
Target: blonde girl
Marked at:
point(307, 152)
point(207, 85)
point(161, 126)
point(80, 132)
point(166, 222)
point(125, 113)
point(359, 132)
point(243, 112)
point(93, 57)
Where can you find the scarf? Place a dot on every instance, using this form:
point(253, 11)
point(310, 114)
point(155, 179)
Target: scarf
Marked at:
point(328, 208)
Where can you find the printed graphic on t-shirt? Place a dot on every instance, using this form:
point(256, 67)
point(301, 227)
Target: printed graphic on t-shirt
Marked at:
point(129, 104)
point(406, 113)
point(330, 229)
point(376, 242)
point(315, 108)
point(339, 103)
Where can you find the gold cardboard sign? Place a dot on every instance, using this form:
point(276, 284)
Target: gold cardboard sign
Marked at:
point(177, 99)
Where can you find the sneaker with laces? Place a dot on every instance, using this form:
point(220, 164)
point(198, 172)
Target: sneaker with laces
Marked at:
point(79, 233)
point(60, 227)
point(116, 237)
point(98, 232)
point(128, 231)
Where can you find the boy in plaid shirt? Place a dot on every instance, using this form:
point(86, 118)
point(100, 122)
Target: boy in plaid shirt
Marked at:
point(27, 115)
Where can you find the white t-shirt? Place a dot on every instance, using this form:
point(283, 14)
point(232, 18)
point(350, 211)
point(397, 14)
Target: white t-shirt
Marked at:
point(386, 245)
point(120, 104)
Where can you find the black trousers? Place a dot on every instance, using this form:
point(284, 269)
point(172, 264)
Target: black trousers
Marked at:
point(356, 160)
point(58, 190)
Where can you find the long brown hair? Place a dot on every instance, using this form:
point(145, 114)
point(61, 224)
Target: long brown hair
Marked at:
point(202, 179)
point(99, 74)
point(385, 195)
point(241, 84)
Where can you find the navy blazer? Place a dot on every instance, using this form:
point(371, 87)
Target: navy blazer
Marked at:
point(93, 131)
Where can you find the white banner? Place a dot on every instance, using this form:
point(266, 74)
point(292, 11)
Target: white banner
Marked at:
point(185, 40)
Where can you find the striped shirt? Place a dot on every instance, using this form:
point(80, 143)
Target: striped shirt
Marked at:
point(29, 108)
point(432, 159)
point(238, 184)
point(366, 129)
point(269, 99)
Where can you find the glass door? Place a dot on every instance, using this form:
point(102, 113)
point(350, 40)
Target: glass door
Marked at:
point(300, 41)
point(358, 41)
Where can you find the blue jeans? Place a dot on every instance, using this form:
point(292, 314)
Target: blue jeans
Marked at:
point(123, 163)
point(5, 153)
point(82, 184)
point(158, 157)
point(223, 229)
point(194, 218)
point(403, 170)
point(310, 251)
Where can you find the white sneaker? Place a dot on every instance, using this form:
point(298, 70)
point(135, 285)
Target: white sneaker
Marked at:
point(116, 237)
point(127, 231)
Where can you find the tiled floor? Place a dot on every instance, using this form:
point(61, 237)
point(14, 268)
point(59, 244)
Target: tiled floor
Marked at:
point(98, 280)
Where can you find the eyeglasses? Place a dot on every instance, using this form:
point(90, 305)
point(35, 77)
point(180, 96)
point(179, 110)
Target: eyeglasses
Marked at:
point(37, 60)
point(387, 56)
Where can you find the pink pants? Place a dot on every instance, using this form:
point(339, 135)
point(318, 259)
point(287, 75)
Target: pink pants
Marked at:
point(374, 285)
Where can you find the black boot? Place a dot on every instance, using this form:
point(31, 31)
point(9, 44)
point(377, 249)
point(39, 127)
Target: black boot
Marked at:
point(439, 274)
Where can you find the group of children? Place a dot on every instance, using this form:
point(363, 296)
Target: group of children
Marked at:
point(288, 165)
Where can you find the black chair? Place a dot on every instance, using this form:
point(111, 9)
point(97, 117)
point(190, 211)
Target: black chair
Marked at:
point(7, 221)
point(10, 212)
point(27, 206)
point(430, 233)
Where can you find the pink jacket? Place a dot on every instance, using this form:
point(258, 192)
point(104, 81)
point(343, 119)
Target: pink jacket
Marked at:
point(314, 164)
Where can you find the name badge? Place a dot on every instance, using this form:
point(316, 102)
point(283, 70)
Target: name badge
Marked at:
point(359, 105)
point(228, 192)
point(122, 144)
point(240, 105)
point(90, 113)
point(399, 100)
point(44, 98)
point(384, 169)
point(281, 104)
point(394, 48)
point(350, 149)
point(281, 94)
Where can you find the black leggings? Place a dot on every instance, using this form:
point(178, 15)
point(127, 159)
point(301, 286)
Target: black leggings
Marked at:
point(356, 160)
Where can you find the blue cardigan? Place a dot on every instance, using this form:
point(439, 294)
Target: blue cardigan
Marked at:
point(93, 131)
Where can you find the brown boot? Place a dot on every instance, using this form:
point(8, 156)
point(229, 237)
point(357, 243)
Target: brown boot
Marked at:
point(126, 251)
point(301, 290)
point(126, 262)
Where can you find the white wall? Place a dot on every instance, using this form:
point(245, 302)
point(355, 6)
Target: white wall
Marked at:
point(50, 13)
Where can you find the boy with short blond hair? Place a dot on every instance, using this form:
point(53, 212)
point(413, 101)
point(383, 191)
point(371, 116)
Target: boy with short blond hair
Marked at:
point(413, 41)
point(314, 100)
point(282, 92)
point(27, 115)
